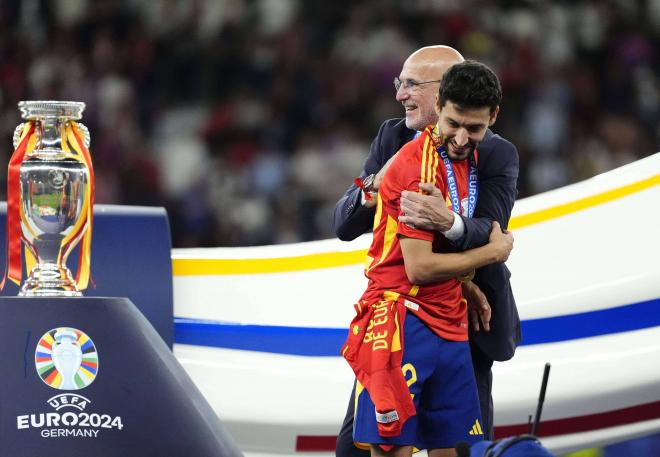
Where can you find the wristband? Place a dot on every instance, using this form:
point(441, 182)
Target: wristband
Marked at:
point(457, 229)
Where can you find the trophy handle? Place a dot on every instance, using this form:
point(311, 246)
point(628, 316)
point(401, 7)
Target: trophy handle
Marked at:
point(17, 134)
point(85, 131)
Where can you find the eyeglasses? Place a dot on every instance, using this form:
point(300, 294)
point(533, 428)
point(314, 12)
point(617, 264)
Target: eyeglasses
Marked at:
point(410, 84)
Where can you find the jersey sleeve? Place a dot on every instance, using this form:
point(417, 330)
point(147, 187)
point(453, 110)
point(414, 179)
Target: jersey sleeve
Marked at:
point(404, 173)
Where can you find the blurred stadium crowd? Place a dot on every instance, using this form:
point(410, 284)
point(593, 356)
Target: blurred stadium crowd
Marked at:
point(247, 119)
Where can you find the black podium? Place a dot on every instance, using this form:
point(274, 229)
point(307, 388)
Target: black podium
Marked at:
point(91, 377)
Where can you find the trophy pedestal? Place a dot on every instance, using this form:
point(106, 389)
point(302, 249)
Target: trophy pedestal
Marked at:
point(90, 376)
point(50, 280)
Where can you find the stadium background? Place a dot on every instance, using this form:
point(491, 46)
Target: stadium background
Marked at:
point(247, 119)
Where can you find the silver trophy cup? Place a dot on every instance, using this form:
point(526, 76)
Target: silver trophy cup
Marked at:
point(53, 187)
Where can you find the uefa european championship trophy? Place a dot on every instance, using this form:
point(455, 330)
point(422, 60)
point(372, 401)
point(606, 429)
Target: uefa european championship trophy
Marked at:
point(50, 191)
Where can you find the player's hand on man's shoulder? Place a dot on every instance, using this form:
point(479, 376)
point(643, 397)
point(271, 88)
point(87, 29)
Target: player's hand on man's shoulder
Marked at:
point(501, 242)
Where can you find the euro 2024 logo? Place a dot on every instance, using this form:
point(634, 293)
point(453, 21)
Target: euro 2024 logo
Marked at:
point(66, 359)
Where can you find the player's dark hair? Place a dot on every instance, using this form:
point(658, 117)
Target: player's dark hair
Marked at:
point(471, 84)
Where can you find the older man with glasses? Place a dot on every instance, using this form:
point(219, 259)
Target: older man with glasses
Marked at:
point(494, 333)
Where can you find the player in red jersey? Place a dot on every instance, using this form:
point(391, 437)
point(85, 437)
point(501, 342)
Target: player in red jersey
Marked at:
point(408, 343)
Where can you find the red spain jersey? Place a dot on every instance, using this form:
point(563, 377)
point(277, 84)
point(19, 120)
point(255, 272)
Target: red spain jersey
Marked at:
point(440, 305)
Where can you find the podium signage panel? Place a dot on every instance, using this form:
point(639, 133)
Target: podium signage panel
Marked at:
point(90, 376)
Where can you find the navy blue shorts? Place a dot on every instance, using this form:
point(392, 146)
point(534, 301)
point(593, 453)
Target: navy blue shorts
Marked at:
point(441, 380)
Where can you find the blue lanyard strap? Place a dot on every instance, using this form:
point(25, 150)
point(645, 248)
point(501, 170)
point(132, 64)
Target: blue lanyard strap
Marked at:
point(473, 184)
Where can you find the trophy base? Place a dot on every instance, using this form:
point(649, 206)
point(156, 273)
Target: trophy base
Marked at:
point(50, 281)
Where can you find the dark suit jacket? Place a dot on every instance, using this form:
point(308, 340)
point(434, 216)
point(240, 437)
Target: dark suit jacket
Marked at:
point(498, 175)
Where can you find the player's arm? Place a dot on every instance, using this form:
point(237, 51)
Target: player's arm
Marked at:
point(424, 266)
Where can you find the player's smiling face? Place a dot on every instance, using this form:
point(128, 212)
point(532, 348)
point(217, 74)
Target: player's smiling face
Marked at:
point(463, 128)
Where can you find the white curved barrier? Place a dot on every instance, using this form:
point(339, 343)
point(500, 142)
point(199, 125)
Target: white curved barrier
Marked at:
point(259, 329)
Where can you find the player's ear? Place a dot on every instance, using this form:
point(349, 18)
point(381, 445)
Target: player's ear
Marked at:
point(493, 116)
point(438, 105)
